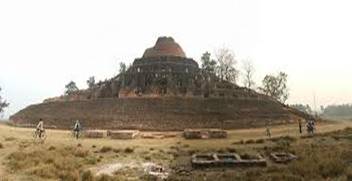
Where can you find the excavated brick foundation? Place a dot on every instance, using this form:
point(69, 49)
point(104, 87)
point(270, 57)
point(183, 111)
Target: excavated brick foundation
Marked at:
point(226, 160)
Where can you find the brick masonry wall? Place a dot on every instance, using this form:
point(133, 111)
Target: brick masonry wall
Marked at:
point(163, 113)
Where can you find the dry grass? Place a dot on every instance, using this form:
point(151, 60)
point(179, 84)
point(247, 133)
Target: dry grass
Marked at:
point(320, 158)
point(87, 176)
point(63, 163)
point(60, 157)
point(10, 138)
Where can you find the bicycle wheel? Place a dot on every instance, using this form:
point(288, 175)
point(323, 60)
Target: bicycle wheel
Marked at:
point(35, 134)
point(43, 136)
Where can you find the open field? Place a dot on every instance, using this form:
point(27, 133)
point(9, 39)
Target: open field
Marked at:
point(63, 158)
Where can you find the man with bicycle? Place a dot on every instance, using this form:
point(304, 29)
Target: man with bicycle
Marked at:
point(77, 129)
point(40, 128)
point(310, 126)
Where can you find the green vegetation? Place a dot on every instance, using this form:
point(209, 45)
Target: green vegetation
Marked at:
point(338, 112)
point(275, 86)
point(209, 65)
point(223, 66)
point(3, 103)
point(334, 112)
point(304, 108)
point(71, 88)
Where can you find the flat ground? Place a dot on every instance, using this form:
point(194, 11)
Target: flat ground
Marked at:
point(61, 157)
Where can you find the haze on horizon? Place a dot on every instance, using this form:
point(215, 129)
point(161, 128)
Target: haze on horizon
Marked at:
point(45, 44)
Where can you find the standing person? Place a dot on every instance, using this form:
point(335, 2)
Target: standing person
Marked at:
point(313, 125)
point(267, 130)
point(300, 126)
point(40, 128)
point(77, 129)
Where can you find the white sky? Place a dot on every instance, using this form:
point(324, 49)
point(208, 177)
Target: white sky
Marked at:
point(44, 44)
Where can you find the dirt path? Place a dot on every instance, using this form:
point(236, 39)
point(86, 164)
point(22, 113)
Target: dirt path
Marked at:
point(62, 137)
point(287, 130)
point(254, 133)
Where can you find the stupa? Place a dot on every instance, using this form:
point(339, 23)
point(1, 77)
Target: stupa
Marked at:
point(163, 90)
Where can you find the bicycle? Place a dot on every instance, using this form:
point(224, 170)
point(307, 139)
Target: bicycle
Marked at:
point(76, 133)
point(38, 135)
point(310, 129)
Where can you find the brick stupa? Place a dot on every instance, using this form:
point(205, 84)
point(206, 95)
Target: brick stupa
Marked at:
point(162, 90)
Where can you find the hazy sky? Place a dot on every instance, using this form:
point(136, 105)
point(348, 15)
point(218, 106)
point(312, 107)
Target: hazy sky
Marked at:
point(44, 44)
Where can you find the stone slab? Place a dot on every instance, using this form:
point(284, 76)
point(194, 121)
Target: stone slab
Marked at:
point(93, 134)
point(282, 157)
point(123, 134)
point(204, 133)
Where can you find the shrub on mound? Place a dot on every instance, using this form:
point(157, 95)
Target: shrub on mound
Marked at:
point(129, 150)
point(105, 149)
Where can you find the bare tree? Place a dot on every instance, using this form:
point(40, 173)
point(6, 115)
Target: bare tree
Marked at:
point(122, 72)
point(3, 103)
point(248, 72)
point(91, 82)
point(226, 69)
point(123, 68)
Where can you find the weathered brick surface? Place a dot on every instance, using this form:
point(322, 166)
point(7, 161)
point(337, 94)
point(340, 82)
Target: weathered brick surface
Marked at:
point(93, 134)
point(282, 157)
point(204, 133)
point(226, 160)
point(217, 133)
point(164, 113)
point(165, 46)
point(123, 134)
point(159, 135)
point(193, 134)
